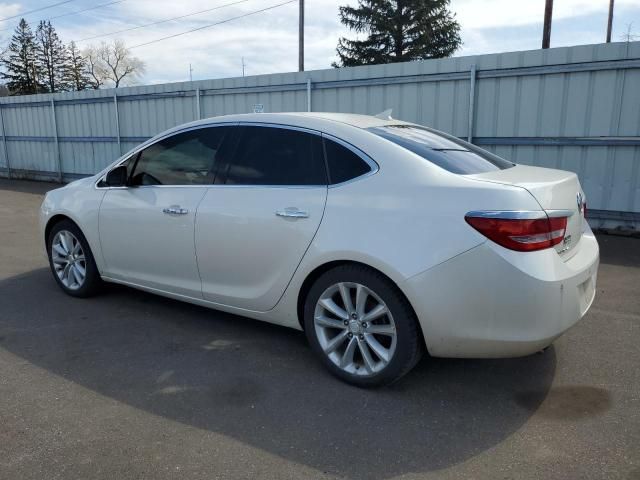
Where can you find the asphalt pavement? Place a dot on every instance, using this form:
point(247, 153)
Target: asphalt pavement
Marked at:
point(129, 385)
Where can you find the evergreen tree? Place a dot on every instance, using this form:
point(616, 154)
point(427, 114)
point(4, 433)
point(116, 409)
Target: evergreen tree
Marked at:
point(22, 72)
point(398, 31)
point(76, 77)
point(51, 56)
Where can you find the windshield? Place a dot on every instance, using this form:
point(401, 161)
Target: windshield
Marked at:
point(445, 151)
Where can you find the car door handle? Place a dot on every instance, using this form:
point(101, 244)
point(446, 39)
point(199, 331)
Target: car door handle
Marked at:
point(175, 210)
point(292, 212)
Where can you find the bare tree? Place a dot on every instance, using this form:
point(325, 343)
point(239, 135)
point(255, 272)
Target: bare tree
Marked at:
point(96, 73)
point(112, 63)
point(120, 65)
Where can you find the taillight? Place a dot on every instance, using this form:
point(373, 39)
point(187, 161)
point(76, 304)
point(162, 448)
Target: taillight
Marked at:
point(521, 231)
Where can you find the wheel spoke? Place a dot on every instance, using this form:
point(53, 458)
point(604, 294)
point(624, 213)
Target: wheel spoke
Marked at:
point(375, 312)
point(335, 342)
point(59, 249)
point(76, 275)
point(378, 349)
point(388, 330)
point(59, 260)
point(347, 356)
point(81, 270)
point(66, 244)
point(361, 300)
point(330, 322)
point(369, 364)
point(346, 297)
point(65, 274)
point(332, 307)
point(76, 248)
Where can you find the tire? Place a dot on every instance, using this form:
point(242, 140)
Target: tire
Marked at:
point(69, 255)
point(378, 342)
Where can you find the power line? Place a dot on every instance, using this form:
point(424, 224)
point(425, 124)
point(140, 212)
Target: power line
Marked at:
point(161, 21)
point(213, 24)
point(37, 10)
point(86, 9)
point(76, 12)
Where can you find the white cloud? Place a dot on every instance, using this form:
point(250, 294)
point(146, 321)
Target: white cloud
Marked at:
point(268, 41)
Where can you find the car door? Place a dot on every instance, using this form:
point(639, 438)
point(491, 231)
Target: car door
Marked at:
point(255, 224)
point(147, 227)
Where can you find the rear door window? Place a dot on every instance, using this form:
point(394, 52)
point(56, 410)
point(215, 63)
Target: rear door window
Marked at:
point(277, 156)
point(445, 151)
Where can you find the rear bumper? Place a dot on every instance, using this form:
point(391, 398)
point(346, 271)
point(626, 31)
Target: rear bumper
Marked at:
point(492, 302)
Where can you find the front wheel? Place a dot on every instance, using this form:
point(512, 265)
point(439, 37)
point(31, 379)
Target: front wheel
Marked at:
point(361, 326)
point(71, 260)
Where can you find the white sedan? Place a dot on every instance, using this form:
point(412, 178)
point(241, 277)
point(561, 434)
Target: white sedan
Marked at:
point(380, 239)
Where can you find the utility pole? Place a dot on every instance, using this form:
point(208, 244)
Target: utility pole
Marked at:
point(301, 38)
point(190, 73)
point(243, 66)
point(546, 31)
point(610, 21)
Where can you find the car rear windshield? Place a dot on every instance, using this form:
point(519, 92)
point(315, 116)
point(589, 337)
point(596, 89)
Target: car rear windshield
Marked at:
point(445, 151)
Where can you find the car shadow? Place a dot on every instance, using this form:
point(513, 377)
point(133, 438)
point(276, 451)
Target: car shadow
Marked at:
point(261, 385)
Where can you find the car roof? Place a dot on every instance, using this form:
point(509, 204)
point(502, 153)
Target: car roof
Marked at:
point(316, 120)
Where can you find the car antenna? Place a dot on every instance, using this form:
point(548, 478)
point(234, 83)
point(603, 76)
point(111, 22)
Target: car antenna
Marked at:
point(386, 115)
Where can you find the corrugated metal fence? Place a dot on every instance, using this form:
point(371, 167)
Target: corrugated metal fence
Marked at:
point(575, 108)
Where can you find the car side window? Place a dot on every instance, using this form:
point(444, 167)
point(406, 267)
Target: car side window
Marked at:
point(277, 156)
point(183, 159)
point(343, 163)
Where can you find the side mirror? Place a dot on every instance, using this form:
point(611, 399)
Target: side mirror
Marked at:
point(117, 177)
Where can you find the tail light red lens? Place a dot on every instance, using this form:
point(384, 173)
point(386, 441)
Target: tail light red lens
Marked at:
point(523, 235)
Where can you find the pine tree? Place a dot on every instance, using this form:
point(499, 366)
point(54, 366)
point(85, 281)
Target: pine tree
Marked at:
point(51, 56)
point(398, 31)
point(76, 77)
point(21, 69)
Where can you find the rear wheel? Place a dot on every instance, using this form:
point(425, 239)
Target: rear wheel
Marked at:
point(361, 326)
point(71, 260)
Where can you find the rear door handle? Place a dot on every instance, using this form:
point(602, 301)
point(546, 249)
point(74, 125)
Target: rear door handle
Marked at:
point(292, 212)
point(175, 210)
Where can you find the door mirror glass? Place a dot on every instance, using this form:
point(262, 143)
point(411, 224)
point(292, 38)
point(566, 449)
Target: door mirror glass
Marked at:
point(117, 177)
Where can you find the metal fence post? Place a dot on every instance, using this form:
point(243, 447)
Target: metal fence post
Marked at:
point(55, 136)
point(308, 94)
point(117, 117)
point(472, 101)
point(198, 104)
point(4, 144)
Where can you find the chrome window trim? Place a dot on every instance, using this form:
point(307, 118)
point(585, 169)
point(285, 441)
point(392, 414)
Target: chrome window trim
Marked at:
point(150, 143)
point(374, 167)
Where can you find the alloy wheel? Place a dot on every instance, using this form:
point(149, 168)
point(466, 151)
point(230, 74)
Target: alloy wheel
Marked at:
point(68, 260)
point(355, 328)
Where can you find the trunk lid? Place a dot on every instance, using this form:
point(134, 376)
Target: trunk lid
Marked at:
point(554, 190)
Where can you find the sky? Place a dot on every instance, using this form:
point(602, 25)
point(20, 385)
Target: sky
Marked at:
point(267, 42)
